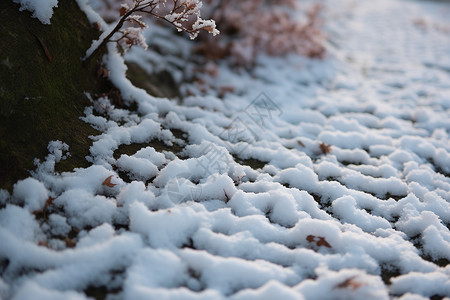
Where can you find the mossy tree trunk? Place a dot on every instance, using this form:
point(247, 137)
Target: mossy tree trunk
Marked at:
point(41, 100)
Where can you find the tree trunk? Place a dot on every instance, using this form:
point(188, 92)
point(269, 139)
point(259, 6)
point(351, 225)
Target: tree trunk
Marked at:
point(42, 85)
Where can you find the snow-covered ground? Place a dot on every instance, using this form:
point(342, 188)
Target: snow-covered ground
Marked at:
point(348, 196)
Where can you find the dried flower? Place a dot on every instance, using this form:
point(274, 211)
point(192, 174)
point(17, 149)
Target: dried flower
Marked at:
point(260, 26)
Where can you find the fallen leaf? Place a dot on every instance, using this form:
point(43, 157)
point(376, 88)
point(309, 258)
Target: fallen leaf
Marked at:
point(319, 240)
point(123, 9)
point(325, 148)
point(323, 242)
point(49, 201)
point(108, 182)
point(350, 283)
point(301, 143)
point(46, 52)
point(310, 238)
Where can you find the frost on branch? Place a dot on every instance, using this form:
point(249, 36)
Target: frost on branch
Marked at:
point(183, 14)
point(131, 36)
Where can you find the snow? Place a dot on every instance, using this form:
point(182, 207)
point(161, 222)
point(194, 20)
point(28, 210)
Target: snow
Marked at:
point(334, 285)
point(20, 223)
point(31, 193)
point(41, 9)
point(427, 284)
point(366, 219)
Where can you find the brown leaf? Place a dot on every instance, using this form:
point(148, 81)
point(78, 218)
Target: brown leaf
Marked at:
point(46, 52)
point(49, 201)
point(322, 242)
point(310, 238)
point(108, 182)
point(325, 148)
point(349, 283)
point(123, 10)
point(301, 143)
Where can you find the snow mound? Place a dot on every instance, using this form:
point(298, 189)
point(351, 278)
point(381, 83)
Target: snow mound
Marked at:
point(41, 9)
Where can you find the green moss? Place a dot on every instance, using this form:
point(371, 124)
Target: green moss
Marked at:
point(251, 162)
point(156, 144)
point(160, 84)
point(40, 100)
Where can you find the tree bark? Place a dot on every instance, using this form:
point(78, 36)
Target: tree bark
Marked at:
point(41, 101)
